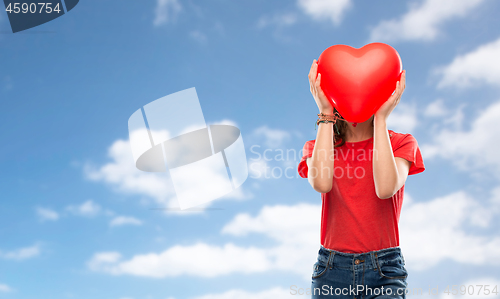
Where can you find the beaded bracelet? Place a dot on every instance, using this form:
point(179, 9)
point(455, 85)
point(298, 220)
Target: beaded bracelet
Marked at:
point(323, 121)
point(326, 118)
point(328, 121)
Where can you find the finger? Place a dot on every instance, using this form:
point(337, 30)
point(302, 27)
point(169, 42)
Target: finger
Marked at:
point(397, 94)
point(311, 69)
point(319, 90)
point(312, 76)
point(400, 91)
point(315, 69)
point(401, 84)
point(318, 82)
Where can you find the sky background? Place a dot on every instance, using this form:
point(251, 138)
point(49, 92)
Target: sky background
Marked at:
point(77, 220)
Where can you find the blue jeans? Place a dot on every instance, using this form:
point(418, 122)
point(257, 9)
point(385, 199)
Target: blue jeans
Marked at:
point(375, 274)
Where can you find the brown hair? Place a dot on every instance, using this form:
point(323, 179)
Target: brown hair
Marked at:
point(340, 130)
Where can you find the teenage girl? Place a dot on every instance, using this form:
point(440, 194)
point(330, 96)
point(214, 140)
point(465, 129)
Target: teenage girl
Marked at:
point(360, 171)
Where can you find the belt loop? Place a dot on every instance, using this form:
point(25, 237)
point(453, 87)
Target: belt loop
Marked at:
point(374, 256)
point(330, 259)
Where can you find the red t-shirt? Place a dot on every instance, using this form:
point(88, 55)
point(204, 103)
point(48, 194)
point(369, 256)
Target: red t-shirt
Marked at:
point(353, 218)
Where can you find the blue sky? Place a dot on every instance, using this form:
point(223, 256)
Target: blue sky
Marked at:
point(79, 221)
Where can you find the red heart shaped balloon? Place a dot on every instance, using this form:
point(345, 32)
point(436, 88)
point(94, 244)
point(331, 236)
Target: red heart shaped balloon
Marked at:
point(359, 81)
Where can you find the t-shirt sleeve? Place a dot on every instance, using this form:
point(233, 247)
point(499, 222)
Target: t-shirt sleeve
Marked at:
point(306, 153)
point(408, 149)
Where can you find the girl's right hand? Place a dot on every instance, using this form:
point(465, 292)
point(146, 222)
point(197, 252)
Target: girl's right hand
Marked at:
point(323, 103)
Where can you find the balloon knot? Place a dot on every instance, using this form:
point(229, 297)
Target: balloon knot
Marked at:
point(354, 124)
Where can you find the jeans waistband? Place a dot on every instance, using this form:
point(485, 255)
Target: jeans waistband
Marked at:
point(365, 259)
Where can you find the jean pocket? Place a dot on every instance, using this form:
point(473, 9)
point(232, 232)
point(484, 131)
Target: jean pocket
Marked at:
point(319, 269)
point(392, 269)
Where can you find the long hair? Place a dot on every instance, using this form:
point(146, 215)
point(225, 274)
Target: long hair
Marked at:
point(340, 130)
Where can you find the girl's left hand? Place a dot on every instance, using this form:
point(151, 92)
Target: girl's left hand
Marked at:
point(386, 108)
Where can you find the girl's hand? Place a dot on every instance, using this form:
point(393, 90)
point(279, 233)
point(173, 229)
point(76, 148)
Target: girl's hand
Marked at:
point(386, 109)
point(319, 96)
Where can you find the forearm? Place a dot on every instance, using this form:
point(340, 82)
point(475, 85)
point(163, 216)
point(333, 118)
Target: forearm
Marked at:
point(385, 171)
point(320, 172)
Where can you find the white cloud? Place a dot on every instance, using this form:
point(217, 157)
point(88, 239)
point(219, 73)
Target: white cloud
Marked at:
point(422, 21)
point(451, 116)
point(294, 228)
point(46, 214)
point(433, 231)
point(208, 175)
point(273, 138)
point(237, 194)
point(473, 68)
point(5, 288)
point(403, 119)
point(273, 293)
point(87, 209)
point(122, 175)
point(436, 109)
point(278, 223)
point(199, 260)
point(166, 11)
point(124, 220)
point(325, 9)
point(102, 260)
point(21, 253)
point(471, 149)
